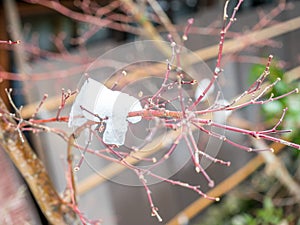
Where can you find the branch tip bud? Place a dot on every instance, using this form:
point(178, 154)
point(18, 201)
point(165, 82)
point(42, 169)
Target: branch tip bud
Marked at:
point(191, 21)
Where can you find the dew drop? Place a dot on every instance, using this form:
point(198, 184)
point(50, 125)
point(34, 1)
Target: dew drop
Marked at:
point(140, 94)
point(211, 184)
point(184, 37)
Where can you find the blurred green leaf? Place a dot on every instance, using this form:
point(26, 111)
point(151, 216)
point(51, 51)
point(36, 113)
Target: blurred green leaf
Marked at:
point(272, 111)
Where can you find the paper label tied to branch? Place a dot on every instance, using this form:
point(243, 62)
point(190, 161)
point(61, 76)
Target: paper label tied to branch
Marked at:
point(113, 105)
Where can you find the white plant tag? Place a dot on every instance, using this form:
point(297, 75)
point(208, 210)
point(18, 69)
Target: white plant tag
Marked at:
point(222, 115)
point(115, 105)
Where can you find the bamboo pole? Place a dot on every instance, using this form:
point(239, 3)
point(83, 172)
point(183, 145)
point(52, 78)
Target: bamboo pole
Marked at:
point(149, 30)
point(292, 75)
point(113, 169)
point(239, 43)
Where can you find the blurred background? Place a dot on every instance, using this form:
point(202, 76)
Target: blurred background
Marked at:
point(59, 42)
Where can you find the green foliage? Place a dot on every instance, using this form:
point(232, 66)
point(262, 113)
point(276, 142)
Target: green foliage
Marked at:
point(236, 211)
point(273, 110)
point(268, 215)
